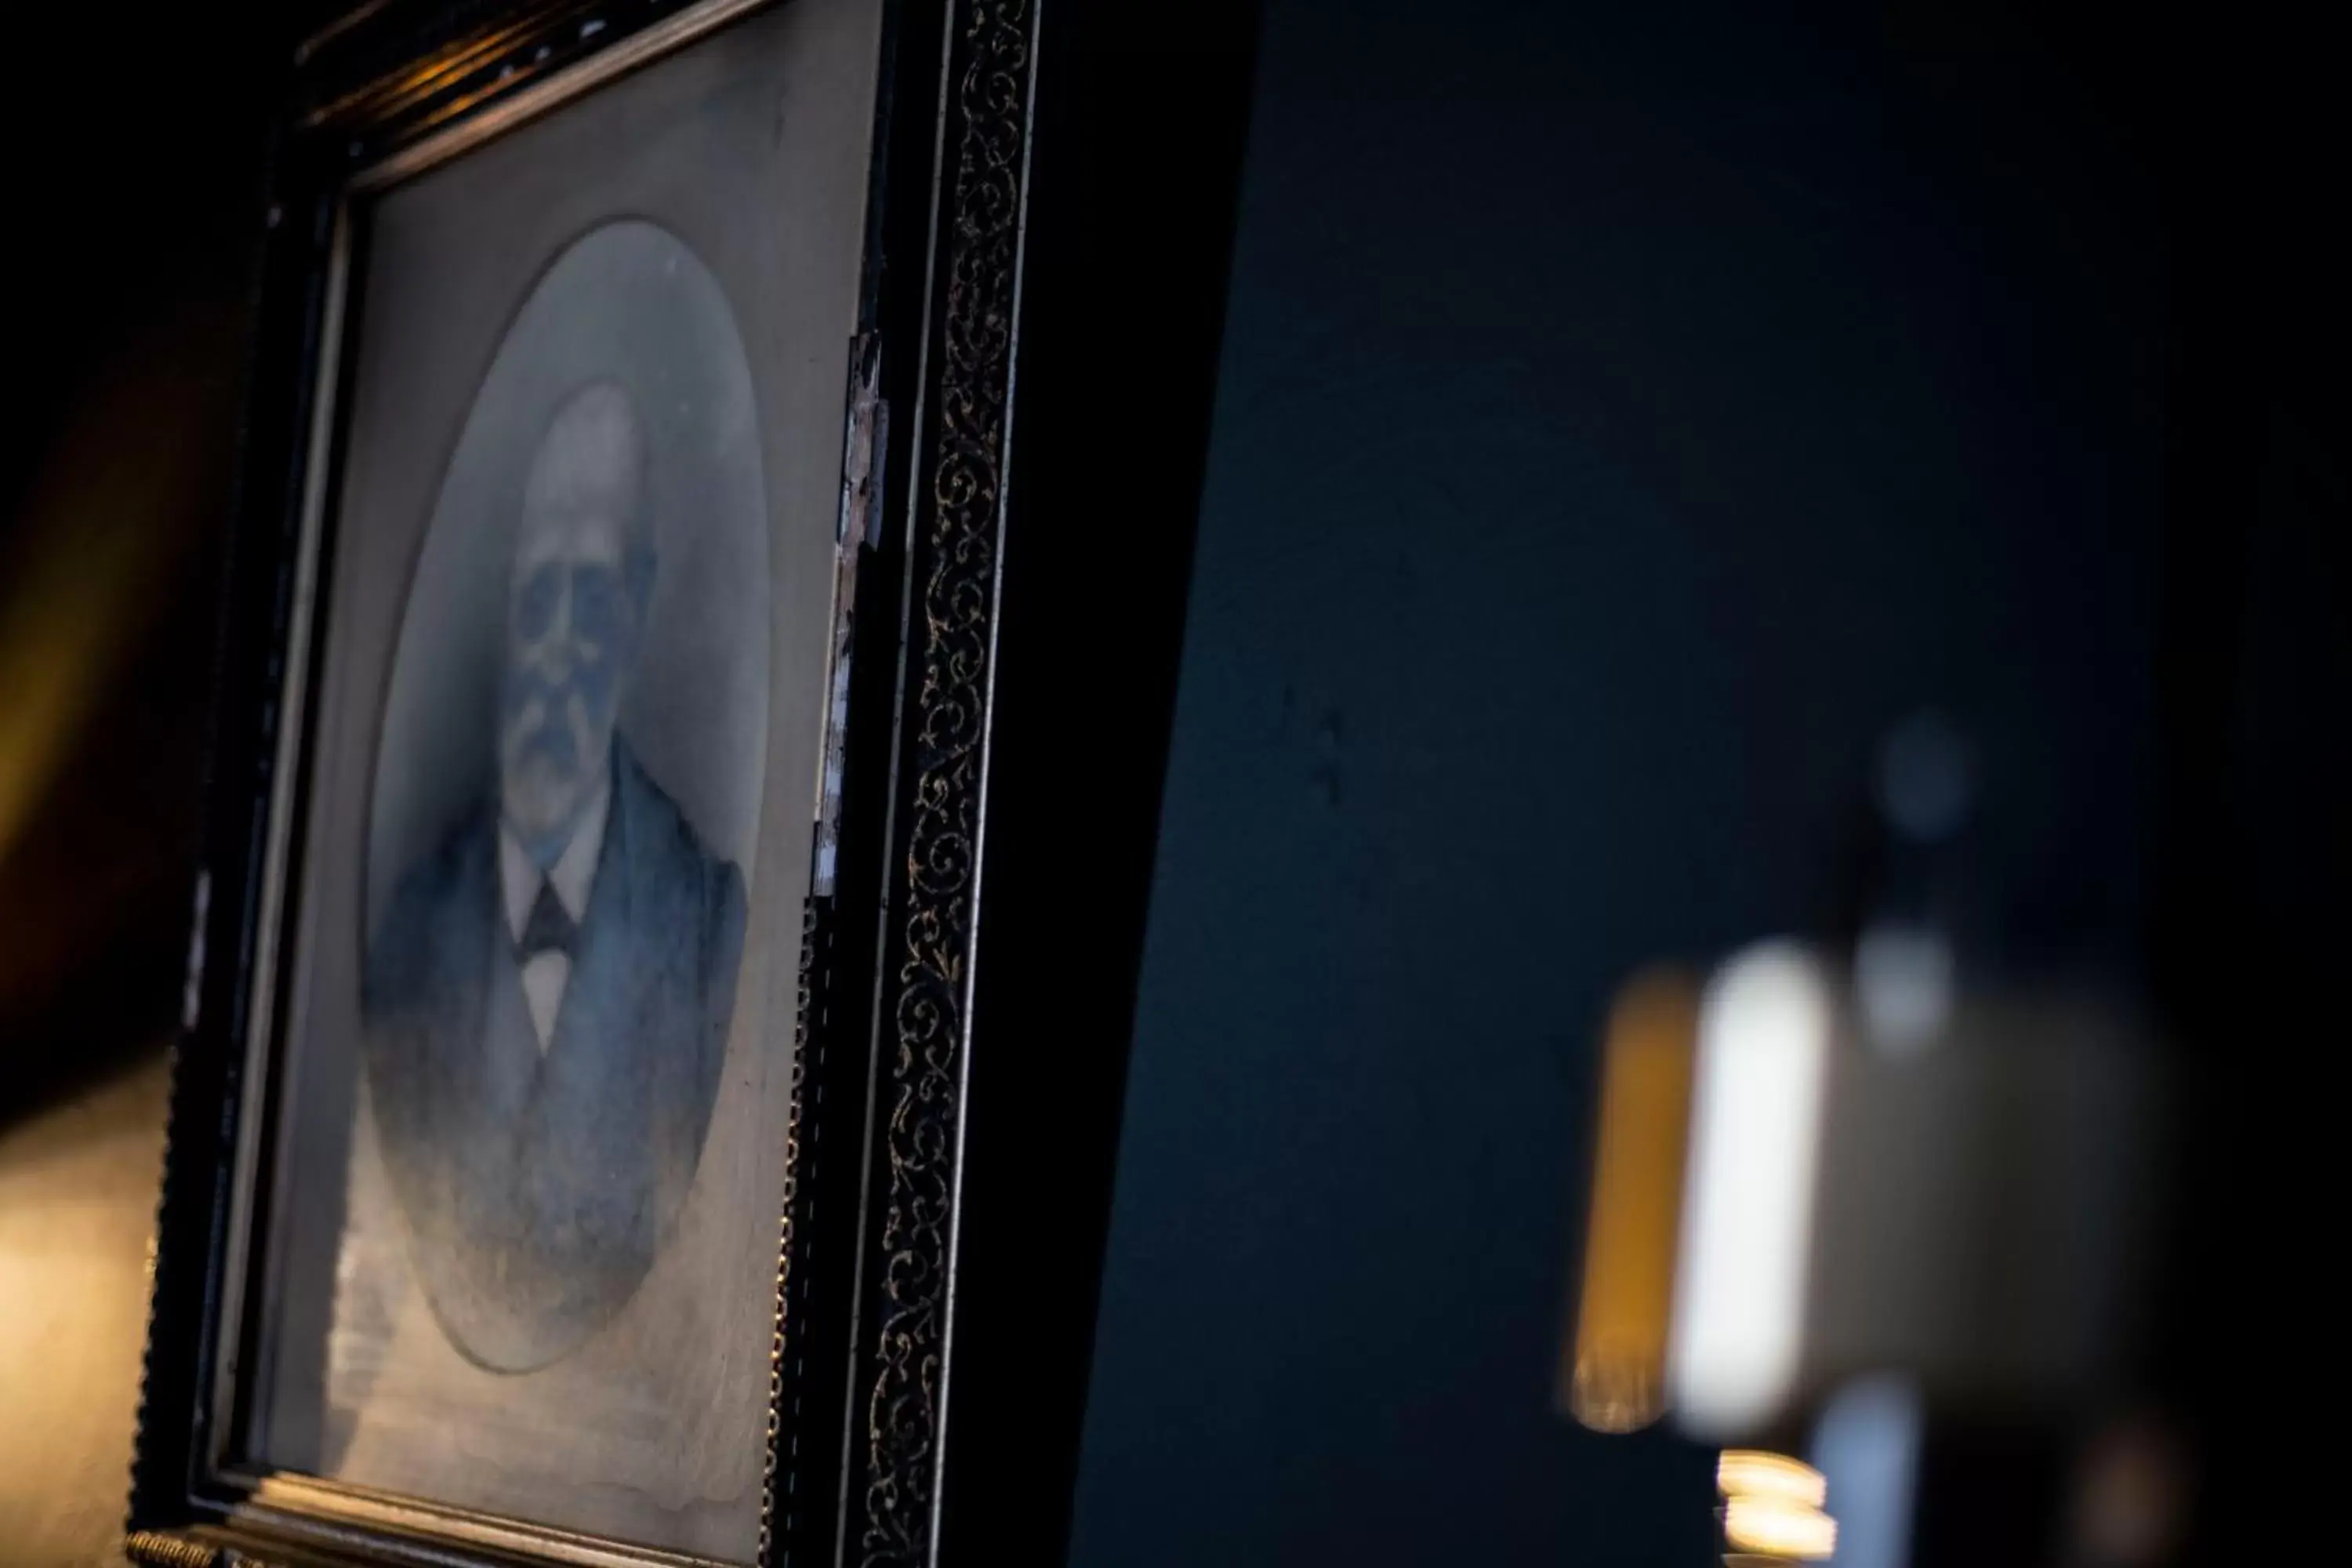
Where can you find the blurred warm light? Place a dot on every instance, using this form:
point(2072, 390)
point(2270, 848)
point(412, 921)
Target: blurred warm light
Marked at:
point(1753, 1472)
point(1615, 1378)
point(85, 563)
point(59, 623)
point(1778, 1527)
point(99, 536)
point(1772, 1508)
point(1756, 1110)
point(2130, 1493)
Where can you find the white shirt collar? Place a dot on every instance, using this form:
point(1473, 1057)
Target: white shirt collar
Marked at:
point(574, 873)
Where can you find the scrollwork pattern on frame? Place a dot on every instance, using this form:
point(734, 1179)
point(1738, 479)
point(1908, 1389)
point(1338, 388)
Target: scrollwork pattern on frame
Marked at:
point(956, 573)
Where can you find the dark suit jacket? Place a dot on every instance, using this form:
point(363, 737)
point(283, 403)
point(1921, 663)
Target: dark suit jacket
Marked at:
point(538, 1186)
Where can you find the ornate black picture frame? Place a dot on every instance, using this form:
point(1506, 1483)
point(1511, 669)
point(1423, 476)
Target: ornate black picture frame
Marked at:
point(857, 1379)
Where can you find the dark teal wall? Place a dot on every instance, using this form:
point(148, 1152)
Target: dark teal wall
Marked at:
point(1625, 413)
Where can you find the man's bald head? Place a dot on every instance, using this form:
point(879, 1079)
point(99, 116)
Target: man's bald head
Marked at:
point(584, 573)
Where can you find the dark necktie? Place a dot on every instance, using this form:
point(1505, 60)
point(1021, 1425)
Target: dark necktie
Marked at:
point(551, 928)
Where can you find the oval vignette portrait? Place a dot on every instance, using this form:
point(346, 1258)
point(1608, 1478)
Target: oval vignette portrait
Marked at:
point(565, 792)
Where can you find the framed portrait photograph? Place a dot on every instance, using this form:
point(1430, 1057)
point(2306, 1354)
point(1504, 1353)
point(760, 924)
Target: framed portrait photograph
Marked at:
point(563, 1158)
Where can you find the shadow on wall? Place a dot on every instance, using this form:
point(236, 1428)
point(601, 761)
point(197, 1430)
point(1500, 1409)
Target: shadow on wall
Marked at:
point(105, 617)
point(139, 150)
point(137, 147)
point(106, 609)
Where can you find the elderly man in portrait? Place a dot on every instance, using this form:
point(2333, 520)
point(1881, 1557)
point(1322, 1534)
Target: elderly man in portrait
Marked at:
point(546, 1000)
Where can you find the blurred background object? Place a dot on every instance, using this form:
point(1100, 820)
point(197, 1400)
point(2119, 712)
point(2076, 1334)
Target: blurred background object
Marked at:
point(1747, 1226)
point(1914, 1202)
point(1897, 1166)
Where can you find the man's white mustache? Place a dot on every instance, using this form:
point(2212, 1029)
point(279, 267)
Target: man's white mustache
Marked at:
point(544, 735)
